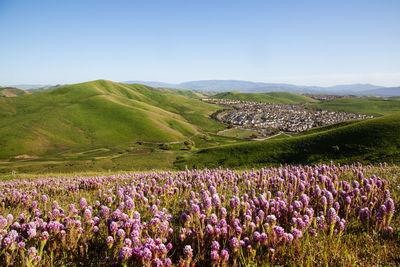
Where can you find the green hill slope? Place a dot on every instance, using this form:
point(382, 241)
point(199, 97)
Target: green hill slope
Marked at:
point(272, 97)
point(97, 113)
point(376, 107)
point(12, 92)
point(368, 141)
point(183, 92)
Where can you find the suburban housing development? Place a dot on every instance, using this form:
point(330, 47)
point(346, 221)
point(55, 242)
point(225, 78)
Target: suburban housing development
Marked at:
point(284, 117)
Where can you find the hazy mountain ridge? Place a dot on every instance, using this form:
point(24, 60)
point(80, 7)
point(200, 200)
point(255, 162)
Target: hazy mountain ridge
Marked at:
point(384, 92)
point(29, 86)
point(152, 84)
point(260, 87)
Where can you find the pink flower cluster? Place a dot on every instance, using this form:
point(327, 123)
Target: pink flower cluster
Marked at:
point(213, 217)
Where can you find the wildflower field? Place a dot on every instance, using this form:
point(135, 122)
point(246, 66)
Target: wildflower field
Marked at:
point(292, 215)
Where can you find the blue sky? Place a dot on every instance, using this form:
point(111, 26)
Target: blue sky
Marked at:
point(301, 42)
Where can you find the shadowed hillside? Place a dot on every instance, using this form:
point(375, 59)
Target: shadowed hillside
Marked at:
point(372, 141)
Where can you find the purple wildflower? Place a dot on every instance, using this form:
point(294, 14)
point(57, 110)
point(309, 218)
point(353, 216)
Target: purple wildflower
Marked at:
point(188, 251)
point(225, 255)
point(215, 245)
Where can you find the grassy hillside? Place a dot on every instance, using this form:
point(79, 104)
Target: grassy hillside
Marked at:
point(371, 141)
point(376, 107)
point(45, 88)
point(97, 113)
point(183, 92)
point(12, 92)
point(121, 157)
point(238, 133)
point(272, 97)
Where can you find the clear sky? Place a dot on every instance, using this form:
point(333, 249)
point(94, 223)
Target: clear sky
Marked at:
point(310, 42)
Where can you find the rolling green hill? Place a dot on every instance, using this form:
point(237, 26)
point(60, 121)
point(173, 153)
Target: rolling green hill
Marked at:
point(183, 92)
point(45, 88)
point(376, 107)
point(272, 97)
point(12, 92)
point(97, 113)
point(369, 141)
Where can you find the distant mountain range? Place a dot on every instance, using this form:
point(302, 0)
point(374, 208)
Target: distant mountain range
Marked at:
point(28, 86)
point(384, 92)
point(260, 87)
point(256, 87)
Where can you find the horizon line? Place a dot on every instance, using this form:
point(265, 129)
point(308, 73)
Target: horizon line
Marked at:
point(197, 80)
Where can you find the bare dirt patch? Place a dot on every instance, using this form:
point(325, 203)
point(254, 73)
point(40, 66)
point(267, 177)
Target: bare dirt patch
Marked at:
point(139, 151)
point(25, 156)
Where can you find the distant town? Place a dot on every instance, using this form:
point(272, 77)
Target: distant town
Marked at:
point(269, 119)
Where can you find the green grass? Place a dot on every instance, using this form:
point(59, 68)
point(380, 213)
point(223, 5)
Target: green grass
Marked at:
point(98, 113)
point(159, 160)
point(281, 136)
point(369, 141)
point(272, 97)
point(376, 107)
point(238, 133)
point(326, 128)
point(124, 156)
point(183, 92)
